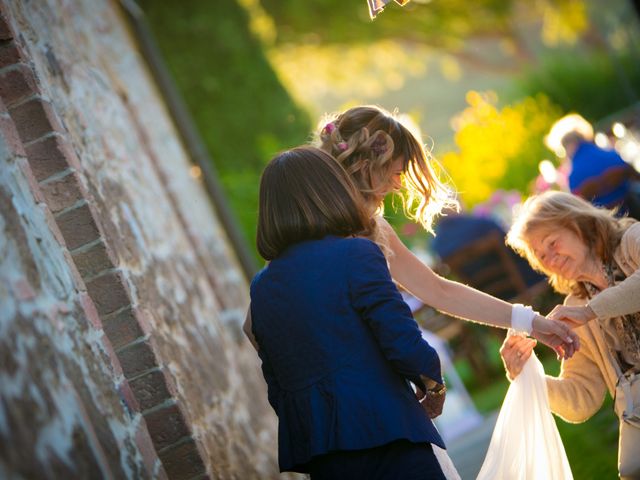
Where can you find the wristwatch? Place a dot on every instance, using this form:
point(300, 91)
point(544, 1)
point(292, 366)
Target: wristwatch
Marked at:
point(437, 390)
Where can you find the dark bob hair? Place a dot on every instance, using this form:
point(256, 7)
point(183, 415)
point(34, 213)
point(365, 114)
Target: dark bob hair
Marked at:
point(305, 194)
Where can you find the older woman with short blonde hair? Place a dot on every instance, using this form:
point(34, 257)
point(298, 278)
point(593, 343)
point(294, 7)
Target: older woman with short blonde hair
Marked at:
point(594, 257)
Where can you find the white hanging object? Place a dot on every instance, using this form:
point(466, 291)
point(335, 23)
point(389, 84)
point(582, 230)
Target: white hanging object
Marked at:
point(526, 444)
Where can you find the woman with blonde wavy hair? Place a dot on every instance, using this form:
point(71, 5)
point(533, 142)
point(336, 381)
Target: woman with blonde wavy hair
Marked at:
point(382, 155)
point(593, 257)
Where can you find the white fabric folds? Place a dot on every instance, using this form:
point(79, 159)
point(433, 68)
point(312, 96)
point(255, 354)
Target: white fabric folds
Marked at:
point(526, 444)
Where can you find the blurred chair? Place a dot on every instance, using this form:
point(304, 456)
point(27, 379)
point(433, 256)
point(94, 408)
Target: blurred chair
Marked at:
point(473, 251)
point(487, 264)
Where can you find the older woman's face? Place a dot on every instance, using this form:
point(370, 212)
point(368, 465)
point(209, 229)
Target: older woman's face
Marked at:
point(561, 252)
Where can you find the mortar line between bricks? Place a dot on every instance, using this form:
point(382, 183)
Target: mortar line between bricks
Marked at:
point(86, 247)
point(101, 273)
point(57, 176)
point(43, 137)
point(177, 443)
point(115, 313)
point(19, 103)
point(143, 373)
point(134, 343)
point(146, 372)
point(12, 67)
point(80, 203)
point(169, 402)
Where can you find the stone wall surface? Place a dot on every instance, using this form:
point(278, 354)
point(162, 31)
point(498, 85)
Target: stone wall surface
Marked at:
point(124, 298)
point(62, 407)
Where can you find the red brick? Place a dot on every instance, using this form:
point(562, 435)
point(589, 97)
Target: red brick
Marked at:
point(148, 452)
point(122, 328)
point(128, 398)
point(114, 361)
point(93, 260)
point(9, 54)
point(108, 292)
point(6, 32)
point(10, 134)
point(137, 358)
point(16, 83)
point(34, 119)
point(78, 226)
point(77, 279)
point(150, 389)
point(63, 192)
point(182, 461)
point(90, 311)
point(53, 225)
point(27, 174)
point(49, 156)
point(166, 426)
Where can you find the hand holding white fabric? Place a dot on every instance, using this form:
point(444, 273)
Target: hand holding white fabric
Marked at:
point(526, 444)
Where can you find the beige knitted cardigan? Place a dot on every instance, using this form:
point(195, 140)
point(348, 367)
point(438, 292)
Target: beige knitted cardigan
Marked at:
point(579, 391)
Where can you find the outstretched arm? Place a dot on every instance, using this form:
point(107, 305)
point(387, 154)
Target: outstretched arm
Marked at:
point(450, 297)
point(463, 301)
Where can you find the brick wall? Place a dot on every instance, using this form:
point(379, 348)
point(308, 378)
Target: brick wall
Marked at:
point(121, 353)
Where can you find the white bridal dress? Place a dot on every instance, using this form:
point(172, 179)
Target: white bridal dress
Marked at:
point(526, 444)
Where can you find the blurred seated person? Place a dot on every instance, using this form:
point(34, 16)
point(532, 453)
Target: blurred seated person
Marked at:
point(457, 231)
point(598, 175)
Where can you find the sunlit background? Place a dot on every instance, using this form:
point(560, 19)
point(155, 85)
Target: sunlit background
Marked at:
point(484, 80)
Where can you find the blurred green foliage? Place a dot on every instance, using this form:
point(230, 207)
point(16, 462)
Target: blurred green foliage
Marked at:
point(595, 85)
point(241, 109)
point(441, 24)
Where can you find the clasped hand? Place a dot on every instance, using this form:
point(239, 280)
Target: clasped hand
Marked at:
point(575, 316)
point(557, 335)
point(431, 402)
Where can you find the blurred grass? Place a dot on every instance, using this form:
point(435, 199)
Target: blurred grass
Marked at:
point(591, 447)
point(242, 112)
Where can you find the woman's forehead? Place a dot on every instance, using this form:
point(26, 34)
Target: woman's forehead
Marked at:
point(539, 234)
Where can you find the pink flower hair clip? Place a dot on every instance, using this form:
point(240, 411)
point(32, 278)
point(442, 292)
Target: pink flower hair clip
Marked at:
point(330, 127)
point(342, 146)
point(379, 147)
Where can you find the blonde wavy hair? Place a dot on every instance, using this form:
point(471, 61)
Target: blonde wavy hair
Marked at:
point(366, 140)
point(598, 228)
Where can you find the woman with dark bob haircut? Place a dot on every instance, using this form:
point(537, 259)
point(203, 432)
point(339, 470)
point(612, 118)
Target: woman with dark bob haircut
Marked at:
point(338, 344)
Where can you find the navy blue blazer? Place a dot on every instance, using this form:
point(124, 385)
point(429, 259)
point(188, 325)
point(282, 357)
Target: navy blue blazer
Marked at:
point(337, 344)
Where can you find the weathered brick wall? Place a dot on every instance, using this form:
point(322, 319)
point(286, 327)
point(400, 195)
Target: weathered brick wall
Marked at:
point(124, 298)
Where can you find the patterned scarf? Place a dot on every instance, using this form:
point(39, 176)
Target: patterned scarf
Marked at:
point(626, 327)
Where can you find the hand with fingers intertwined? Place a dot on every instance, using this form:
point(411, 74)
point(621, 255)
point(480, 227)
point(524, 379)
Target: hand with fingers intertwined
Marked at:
point(557, 335)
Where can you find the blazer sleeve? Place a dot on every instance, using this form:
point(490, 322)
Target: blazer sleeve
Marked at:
point(624, 298)
point(273, 389)
point(578, 392)
point(378, 301)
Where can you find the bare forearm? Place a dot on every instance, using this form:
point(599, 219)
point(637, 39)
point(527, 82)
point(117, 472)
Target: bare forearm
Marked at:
point(450, 297)
point(465, 302)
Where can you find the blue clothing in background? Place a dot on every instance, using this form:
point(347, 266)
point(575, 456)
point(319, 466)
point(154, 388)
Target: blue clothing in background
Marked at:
point(338, 344)
point(590, 162)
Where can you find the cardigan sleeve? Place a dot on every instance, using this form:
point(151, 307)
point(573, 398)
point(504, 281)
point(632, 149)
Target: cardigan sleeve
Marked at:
point(624, 298)
point(578, 392)
point(380, 305)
